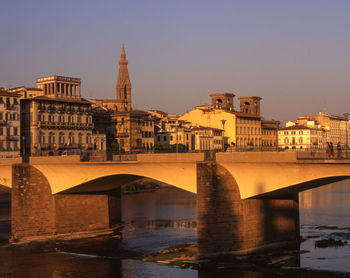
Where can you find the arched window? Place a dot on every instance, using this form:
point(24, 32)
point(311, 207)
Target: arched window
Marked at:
point(125, 93)
point(61, 138)
point(88, 138)
point(51, 138)
point(71, 138)
point(286, 140)
point(80, 138)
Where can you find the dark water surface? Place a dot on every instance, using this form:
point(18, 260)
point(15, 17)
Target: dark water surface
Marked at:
point(155, 220)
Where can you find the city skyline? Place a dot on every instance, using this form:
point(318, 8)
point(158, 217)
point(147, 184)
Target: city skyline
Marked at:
point(293, 55)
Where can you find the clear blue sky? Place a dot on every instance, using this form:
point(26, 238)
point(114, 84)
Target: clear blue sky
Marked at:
point(293, 54)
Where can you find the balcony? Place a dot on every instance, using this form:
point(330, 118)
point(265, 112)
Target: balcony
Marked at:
point(41, 108)
point(3, 122)
point(12, 137)
point(122, 134)
point(9, 106)
point(61, 110)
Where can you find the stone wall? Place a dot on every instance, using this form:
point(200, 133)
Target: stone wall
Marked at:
point(37, 214)
point(33, 211)
point(68, 159)
point(170, 157)
point(81, 212)
point(256, 157)
point(226, 224)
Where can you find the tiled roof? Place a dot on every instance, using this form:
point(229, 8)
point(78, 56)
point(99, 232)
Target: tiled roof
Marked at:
point(61, 99)
point(298, 127)
point(246, 115)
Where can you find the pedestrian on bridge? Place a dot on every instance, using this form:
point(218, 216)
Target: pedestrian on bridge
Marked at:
point(331, 147)
point(338, 150)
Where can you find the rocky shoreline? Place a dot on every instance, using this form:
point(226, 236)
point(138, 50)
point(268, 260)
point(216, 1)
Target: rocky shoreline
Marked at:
point(283, 261)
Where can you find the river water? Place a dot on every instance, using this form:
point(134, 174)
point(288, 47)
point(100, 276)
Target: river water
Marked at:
point(155, 220)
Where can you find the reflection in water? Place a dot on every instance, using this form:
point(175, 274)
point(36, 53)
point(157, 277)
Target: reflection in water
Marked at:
point(324, 213)
point(155, 220)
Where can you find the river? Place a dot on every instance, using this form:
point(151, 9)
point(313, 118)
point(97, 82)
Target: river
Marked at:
point(155, 220)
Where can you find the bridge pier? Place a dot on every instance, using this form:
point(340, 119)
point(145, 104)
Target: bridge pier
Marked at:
point(226, 224)
point(39, 215)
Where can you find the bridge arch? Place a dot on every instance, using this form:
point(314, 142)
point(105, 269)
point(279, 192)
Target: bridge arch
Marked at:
point(65, 176)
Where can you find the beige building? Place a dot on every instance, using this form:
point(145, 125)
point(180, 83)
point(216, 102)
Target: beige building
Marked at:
point(59, 121)
point(300, 137)
point(27, 92)
point(269, 134)
point(241, 129)
point(181, 135)
point(207, 138)
point(148, 133)
point(9, 124)
point(334, 126)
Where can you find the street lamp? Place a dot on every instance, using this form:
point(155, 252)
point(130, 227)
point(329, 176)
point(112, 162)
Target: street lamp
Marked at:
point(346, 115)
point(223, 134)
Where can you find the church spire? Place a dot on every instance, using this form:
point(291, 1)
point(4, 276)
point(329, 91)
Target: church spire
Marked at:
point(123, 55)
point(123, 87)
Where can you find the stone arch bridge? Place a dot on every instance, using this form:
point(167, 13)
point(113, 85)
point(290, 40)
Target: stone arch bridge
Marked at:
point(245, 201)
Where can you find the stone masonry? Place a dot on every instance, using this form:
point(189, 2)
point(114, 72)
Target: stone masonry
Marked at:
point(226, 224)
point(37, 214)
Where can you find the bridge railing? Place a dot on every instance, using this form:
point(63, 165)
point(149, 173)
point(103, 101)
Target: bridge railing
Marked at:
point(321, 154)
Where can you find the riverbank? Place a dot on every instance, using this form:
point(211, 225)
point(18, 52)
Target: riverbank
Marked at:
point(283, 261)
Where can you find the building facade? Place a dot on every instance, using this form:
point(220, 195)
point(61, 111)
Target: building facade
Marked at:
point(9, 124)
point(269, 134)
point(207, 138)
point(241, 129)
point(300, 137)
point(59, 120)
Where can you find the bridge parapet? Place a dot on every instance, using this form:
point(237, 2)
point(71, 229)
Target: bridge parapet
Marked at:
point(257, 157)
point(170, 157)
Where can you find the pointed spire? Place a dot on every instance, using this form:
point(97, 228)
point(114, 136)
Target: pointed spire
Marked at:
point(123, 55)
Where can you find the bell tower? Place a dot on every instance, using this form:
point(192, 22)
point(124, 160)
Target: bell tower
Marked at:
point(250, 105)
point(123, 86)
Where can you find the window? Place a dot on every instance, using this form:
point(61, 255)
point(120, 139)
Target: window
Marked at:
point(61, 138)
point(15, 131)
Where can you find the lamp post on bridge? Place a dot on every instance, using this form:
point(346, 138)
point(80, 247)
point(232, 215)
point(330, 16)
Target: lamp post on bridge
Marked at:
point(223, 134)
point(346, 115)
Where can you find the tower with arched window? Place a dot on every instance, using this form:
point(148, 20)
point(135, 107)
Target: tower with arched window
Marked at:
point(123, 87)
point(250, 105)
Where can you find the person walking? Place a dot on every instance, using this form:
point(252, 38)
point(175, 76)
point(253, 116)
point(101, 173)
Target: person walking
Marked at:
point(338, 150)
point(331, 147)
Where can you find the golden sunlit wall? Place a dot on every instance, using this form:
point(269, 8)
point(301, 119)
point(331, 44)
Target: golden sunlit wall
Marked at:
point(213, 118)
